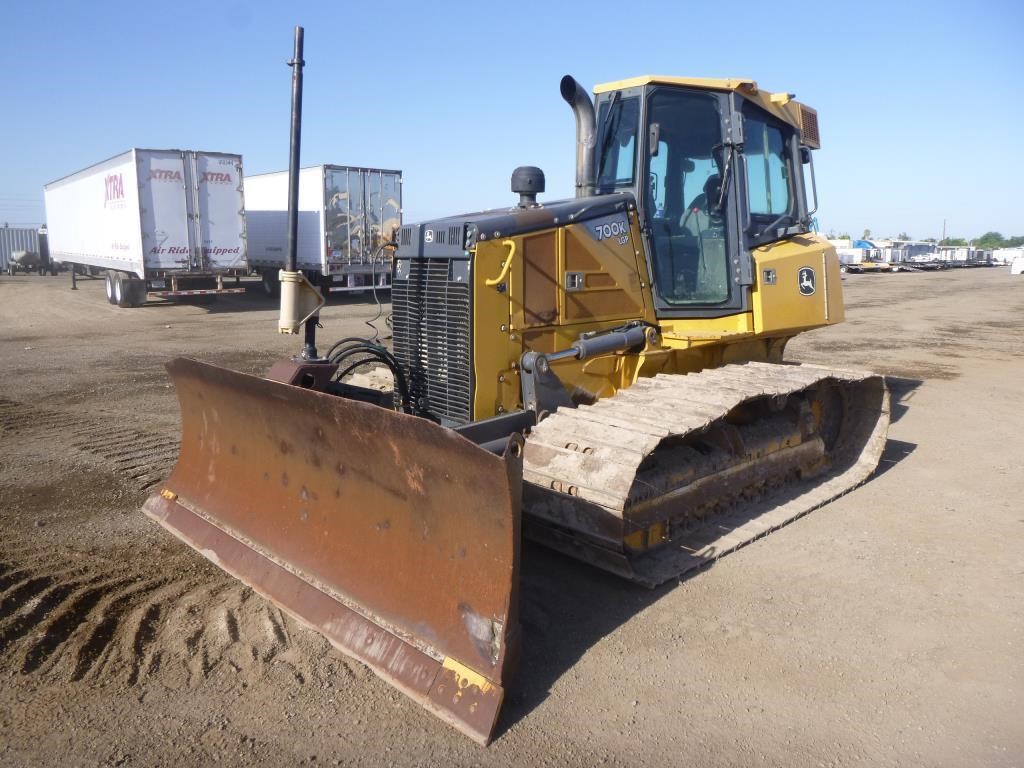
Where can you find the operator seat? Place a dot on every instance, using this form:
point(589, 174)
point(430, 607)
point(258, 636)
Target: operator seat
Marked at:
point(699, 215)
point(706, 224)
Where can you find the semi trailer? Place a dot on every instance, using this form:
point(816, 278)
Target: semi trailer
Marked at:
point(160, 223)
point(347, 215)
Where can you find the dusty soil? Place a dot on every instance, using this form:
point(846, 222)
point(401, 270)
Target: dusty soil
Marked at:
point(886, 628)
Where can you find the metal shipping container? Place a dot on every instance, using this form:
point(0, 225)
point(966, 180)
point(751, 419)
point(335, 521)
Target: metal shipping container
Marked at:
point(167, 222)
point(346, 215)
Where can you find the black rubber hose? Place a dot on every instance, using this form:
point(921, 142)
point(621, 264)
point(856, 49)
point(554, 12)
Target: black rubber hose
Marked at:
point(377, 354)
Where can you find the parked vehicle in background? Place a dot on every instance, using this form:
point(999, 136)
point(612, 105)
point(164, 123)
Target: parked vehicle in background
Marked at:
point(162, 223)
point(1007, 255)
point(25, 249)
point(346, 216)
point(862, 260)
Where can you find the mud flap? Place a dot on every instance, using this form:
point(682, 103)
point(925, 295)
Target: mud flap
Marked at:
point(395, 538)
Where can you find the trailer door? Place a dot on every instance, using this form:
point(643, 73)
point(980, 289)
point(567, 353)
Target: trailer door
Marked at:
point(163, 207)
point(390, 210)
point(219, 221)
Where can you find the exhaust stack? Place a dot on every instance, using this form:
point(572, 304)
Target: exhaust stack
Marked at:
point(586, 134)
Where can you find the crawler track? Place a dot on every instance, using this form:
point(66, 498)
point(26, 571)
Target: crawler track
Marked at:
point(663, 450)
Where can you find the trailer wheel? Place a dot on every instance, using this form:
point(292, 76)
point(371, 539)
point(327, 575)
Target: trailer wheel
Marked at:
point(135, 290)
point(129, 291)
point(108, 283)
point(271, 283)
point(121, 296)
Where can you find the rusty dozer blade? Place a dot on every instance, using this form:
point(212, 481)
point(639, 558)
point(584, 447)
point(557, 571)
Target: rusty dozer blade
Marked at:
point(395, 538)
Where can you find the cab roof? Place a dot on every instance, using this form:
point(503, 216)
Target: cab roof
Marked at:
point(782, 105)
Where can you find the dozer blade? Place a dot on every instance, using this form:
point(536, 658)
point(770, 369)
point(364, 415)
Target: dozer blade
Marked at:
point(393, 537)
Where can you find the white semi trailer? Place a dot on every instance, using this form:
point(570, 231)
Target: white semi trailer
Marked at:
point(162, 223)
point(346, 215)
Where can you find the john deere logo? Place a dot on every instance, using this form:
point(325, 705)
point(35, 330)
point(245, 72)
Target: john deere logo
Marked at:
point(805, 277)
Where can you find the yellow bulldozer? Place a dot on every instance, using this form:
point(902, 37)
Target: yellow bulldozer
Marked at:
point(603, 374)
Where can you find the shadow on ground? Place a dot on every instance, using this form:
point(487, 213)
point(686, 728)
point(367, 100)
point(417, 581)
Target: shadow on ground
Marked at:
point(566, 606)
point(901, 391)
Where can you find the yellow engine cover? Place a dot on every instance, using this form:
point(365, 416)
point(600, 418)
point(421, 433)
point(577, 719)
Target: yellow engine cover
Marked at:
point(796, 285)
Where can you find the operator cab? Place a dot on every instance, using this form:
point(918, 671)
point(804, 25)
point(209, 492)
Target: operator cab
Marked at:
point(717, 170)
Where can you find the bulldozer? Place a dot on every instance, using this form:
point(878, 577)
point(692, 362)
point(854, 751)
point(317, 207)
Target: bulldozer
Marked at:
point(602, 374)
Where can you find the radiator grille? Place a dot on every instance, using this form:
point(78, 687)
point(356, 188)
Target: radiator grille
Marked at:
point(809, 127)
point(431, 322)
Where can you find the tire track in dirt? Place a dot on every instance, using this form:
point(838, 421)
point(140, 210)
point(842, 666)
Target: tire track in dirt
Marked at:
point(94, 621)
point(142, 458)
point(77, 616)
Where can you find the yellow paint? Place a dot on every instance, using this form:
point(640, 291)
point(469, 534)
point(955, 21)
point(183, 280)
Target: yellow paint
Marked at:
point(507, 324)
point(169, 494)
point(637, 540)
point(781, 307)
point(710, 83)
point(648, 537)
point(506, 264)
point(465, 677)
point(495, 353)
point(787, 109)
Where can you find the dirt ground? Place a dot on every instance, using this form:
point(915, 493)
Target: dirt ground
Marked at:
point(886, 628)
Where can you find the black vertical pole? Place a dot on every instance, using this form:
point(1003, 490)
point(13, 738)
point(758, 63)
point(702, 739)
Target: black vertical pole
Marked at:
point(293, 159)
point(297, 63)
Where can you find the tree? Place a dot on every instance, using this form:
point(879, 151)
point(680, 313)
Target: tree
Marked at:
point(903, 236)
point(953, 241)
point(844, 236)
point(1014, 242)
point(866, 235)
point(990, 240)
point(930, 240)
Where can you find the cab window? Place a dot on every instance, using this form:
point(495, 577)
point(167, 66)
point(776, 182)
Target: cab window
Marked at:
point(685, 205)
point(619, 119)
point(769, 192)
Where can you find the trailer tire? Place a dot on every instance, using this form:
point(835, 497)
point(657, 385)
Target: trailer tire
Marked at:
point(108, 284)
point(271, 283)
point(135, 290)
point(121, 295)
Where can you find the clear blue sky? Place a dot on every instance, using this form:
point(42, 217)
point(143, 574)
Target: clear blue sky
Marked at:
point(919, 103)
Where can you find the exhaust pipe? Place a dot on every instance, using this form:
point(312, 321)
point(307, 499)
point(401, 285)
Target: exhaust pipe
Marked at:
point(586, 134)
